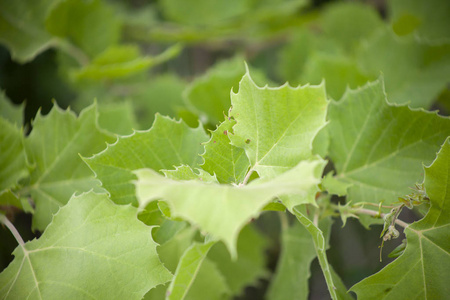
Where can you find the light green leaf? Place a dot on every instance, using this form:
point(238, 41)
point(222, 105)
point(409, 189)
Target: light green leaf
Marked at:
point(22, 27)
point(427, 20)
point(187, 270)
point(117, 118)
point(209, 284)
point(276, 126)
point(420, 272)
point(13, 166)
point(379, 147)
point(414, 73)
point(91, 243)
point(293, 267)
point(167, 144)
point(8, 198)
point(319, 242)
point(220, 209)
point(186, 173)
point(9, 111)
point(53, 148)
point(90, 25)
point(250, 264)
point(227, 162)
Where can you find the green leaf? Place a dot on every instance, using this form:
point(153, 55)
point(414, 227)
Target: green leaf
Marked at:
point(276, 126)
point(339, 73)
point(347, 23)
point(250, 264)
point(120, 62)
point(53, 148)
point(219, 209)
point(379, 147)
point(210, 93)
point(117, 118)
point(427, 20)
point(168, 143)
point(91, 243)
point(172, 250)
point(162, 94)
point(334, 186)
point(187, 270)
point(293, 267)
point(209, 284)
point(8, 198)
point(319, 242)
point(13, 166)
point(413, 72)
point(203, 12)
point(22, 27)
point(186, 173)
point(227, 162)
point(90, 25)
point(9, 111)
point(419, 272)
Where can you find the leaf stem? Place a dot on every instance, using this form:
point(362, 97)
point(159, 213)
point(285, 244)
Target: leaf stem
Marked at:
point(13, 230)
point(247, 177)
point(370, 212)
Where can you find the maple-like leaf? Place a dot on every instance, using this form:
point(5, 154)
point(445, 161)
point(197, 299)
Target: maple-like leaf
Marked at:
point(379, 148)
point(92, 249)
point(420, 272)
point(167, 144)
point(52, 149)
point(276, 126)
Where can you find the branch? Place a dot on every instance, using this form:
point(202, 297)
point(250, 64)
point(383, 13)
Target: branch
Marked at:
point(373, 213)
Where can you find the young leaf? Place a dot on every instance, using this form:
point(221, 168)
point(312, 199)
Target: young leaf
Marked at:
point(276, 126)
point(420, 272)
point(227, 162)
point(168, 143)
point(53, 148)
point(222, 210)
point(92, 249)
point(379, 147)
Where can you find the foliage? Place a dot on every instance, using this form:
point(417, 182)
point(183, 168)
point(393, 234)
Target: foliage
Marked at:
point(165, 183)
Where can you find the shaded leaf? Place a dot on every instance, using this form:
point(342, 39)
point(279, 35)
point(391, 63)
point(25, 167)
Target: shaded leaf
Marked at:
point(419, 272)
point(379, 147)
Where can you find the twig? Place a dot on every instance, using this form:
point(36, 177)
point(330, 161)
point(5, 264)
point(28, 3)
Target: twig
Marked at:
point(370, 212)
point(247, 177)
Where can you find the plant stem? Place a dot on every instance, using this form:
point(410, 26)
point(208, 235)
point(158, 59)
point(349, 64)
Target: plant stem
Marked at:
point(370, 212)
point(13, 230)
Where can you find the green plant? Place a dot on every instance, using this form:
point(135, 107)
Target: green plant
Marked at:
point(175, 211)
